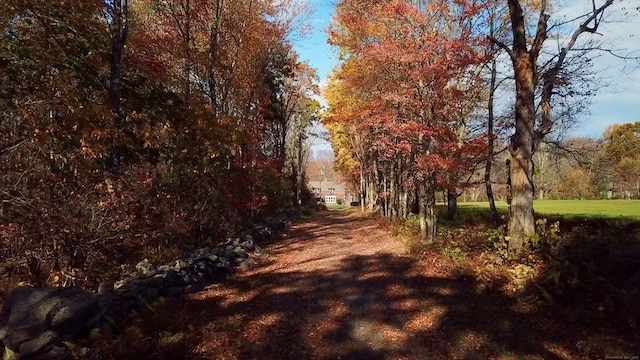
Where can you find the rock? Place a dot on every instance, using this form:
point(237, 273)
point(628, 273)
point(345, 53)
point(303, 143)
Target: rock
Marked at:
point(77, 310)
point(105, 288)
point(150, 294)
point(34, 320)
point(229, 249)
point(56, 353)
point(240, 252)
point(249, 262)
point(171, 278)
point(248, 244)
point(224, 263)
point(171, 291)
point(40, 344)
point(145, 267)
point(157, 280)
point(179, 265)
point(188, 279)
point(10, 355)
point(119, 284)
point(18, 323)
point(192, 289)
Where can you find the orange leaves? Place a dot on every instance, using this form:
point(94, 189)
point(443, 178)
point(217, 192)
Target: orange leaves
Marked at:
point(407, 82)
point(183, 114)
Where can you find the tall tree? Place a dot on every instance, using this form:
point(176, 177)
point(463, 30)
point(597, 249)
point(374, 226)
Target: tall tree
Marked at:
point(93, 89)
point(524, 54)
point(412, 62)
point(116, 15)
point(622, 148)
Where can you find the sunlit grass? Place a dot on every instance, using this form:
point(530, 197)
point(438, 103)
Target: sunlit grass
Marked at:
point(627, 209)
point(338, 207)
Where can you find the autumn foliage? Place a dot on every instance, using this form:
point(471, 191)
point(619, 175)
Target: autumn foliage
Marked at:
point(401, 100)
point(133, 129)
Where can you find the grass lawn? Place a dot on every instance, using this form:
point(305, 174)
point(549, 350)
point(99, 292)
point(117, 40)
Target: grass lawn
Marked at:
point(623, 209)
point(338, 207)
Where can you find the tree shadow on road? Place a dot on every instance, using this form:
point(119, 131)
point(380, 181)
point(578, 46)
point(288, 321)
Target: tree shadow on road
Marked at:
point(311, 301)
point(373, 307)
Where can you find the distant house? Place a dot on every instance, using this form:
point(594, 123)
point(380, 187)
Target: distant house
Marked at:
point(330, 191)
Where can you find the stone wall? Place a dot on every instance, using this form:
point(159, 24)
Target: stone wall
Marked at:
point(35, 322)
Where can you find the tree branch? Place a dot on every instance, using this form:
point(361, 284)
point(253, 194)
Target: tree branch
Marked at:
point(11, 146)
point(502, 46)
point(541, 32)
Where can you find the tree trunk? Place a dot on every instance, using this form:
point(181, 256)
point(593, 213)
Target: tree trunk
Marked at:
point(452, 205)
point(363, 192)
point(490, 122)
point(384, 208)
point(526, 137)
point(392, 194)
point(404, 204)
point(521, 220)
point(427, 207)
point(299, 172)
point(214, 39)
point(119, 28)
point(376, 186)
point(371, 193)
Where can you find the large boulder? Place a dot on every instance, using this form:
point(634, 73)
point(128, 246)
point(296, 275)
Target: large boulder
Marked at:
point(35, 320)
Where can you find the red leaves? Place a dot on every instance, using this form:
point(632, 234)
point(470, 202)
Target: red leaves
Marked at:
point(407, 83)
point(191, 130)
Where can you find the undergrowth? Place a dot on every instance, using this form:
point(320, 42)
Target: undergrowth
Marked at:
point(586, 272)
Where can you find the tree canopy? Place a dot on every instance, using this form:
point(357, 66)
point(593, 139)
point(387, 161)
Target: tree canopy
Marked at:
point(137, 127)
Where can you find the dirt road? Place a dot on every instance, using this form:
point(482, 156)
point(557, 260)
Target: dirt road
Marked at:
point(338, 286)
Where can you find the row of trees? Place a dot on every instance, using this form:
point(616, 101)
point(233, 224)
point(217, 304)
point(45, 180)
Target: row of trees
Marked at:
point(401, 101)
point(576, 168)
point(130, 127)
point(582, 168)
point(412, 107)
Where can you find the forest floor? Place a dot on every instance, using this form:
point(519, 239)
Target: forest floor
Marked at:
point(338, 285)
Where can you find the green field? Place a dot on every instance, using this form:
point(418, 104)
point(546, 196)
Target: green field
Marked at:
point(626, 209)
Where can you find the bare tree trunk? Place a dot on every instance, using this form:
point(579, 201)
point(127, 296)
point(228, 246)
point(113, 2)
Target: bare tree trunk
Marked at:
point(187, 44)
point(527, 137)
point(491, 143)
point(384, 209)
point(404, 204)
point(119, 29)
point(521, 220)
point(299, 172)
point(363, 192)
point(214, 39)
point(393, 194)
point(427, 207)
point(452, 204)
point(376, 186)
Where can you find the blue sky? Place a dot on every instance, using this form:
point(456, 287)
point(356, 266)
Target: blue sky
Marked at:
point(314, 48)
point(619, 102)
